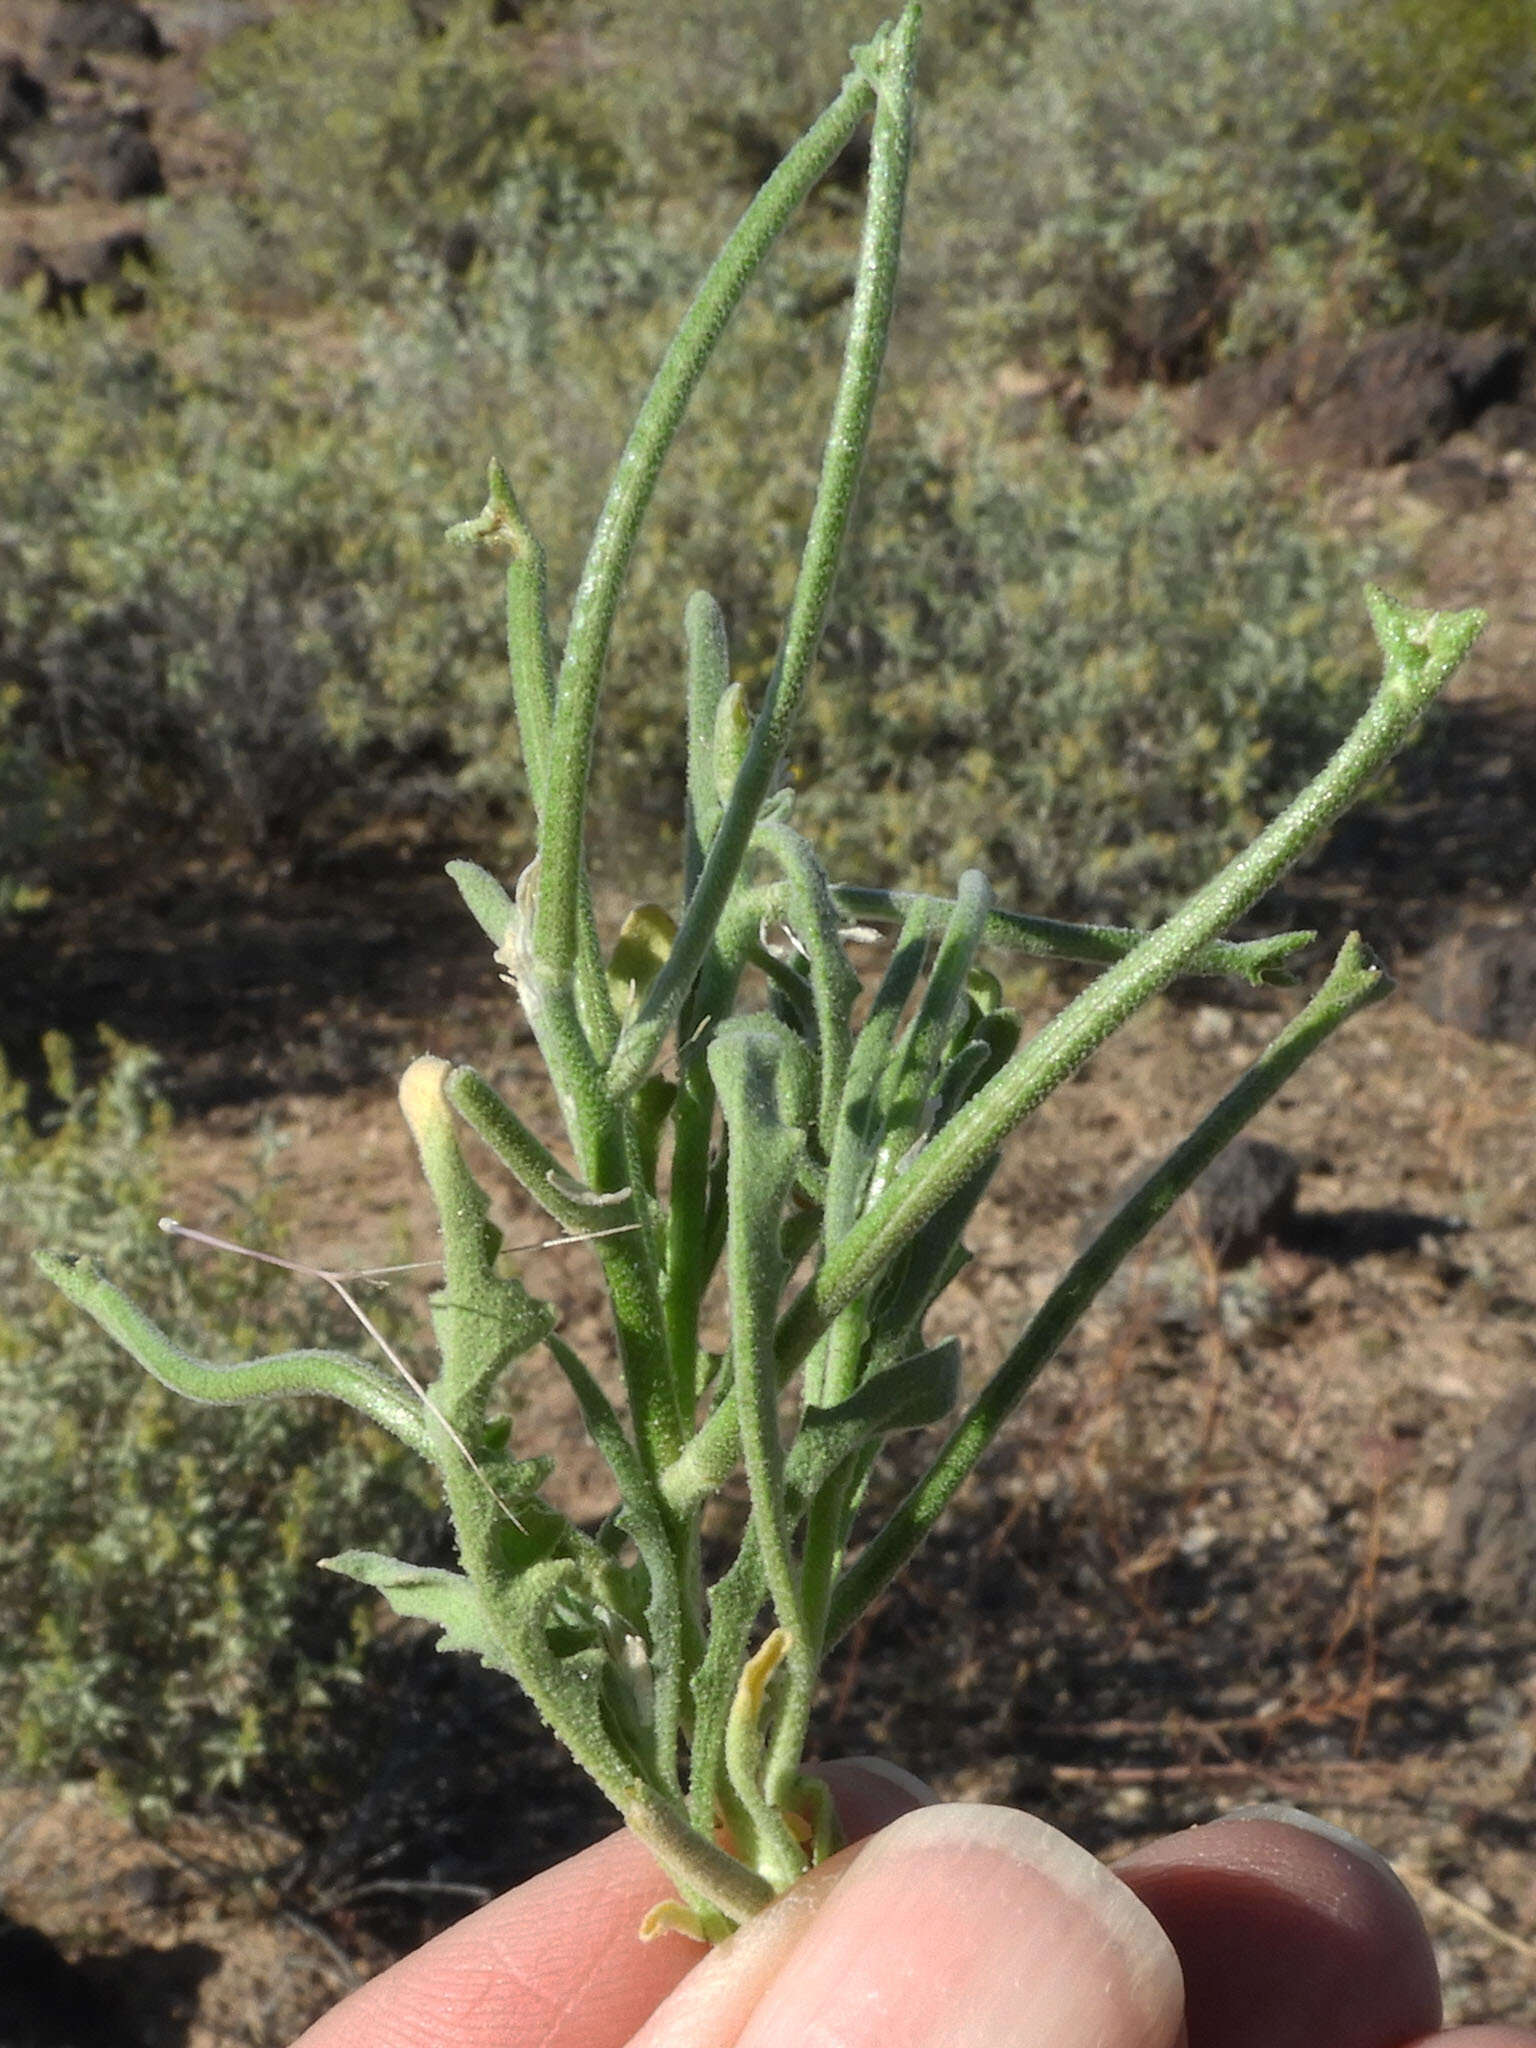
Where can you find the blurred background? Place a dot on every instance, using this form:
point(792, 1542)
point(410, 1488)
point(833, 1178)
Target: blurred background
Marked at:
point(1210, 310)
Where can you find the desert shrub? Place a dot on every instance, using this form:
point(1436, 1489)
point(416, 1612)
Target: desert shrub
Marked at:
point(152, 1631)
point(1433, 108)
point(214, 579)
point(1094, 673)
point(1156, 184)
point(713, 104)
point(33, 803)
point(1148, 186)
point(1092, 670)
point(375, 125)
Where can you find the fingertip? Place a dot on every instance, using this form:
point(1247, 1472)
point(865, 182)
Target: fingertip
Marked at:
point(1289, 1932)
point(962, 1923)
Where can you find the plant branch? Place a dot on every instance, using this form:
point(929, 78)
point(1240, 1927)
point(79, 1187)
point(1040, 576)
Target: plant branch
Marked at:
point(853, 408)
point(1354, 982)
point(629, 496)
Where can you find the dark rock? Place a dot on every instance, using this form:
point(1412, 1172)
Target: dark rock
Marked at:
point(1455, 483)
point(59, 281)
point(23, 98)
point(122, 163)
point(1482, 979)
point(48, 2002)
point(1243, 1200)
point(109, 262)
point(104, 260)
point(431, 17)
point(1392, 398)
point(1488, 1549)
point(210, 22)
point(116, 27)
point(25, 269)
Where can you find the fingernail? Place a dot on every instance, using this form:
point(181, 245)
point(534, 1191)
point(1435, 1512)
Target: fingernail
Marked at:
point(893, 1774)
point(968, 1924)
point(1298, 1817)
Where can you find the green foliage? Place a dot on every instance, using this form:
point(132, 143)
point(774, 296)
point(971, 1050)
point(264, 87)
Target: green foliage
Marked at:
point(1433, 108)
point(1094, 671)
point(1151, 184)
point(160, 1623)
point(372, 126)
point(1155, 186)
point(224, 600)
point(31, 809)
point(215, 591)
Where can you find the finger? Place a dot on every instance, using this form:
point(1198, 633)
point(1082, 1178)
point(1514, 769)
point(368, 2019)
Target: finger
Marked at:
point(558, 1963)
point(1291, 1934)
point(957, 1925)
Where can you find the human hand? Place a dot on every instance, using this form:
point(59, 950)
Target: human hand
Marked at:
point(946, 1927)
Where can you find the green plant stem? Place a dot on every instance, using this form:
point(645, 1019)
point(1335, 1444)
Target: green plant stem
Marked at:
point(530, 665)
point(1256, 961)
point(688, 1250)
point(1422, 651)
point(526, 1158)
point(1354, 982)
point(1407, 687)
point(334, 1374)
point(852, 411)
point(693, 1860)
point(709, 677)
point(647, 1522)
point(608, 1154)
point(629, 495)
point(735, 1600)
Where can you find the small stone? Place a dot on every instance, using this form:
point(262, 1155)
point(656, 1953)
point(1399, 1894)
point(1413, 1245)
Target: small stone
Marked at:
point(1488, 1549)
point(1455, 483)
point(125, 164)
point(1211, 1026)
point(1244, 1198)
point(1482, 979)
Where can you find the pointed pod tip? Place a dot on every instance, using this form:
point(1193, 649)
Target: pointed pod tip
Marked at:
point(1421, 646)
point(1359, 973)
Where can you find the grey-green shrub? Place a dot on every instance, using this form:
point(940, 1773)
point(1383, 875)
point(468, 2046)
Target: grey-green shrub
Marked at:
point(218, 595)
point(371, 130)
point(231, 598)
point(1432, 109)
point(1095, 671)
point(1155, 186)
point(1144, 186)
point(160, 1626)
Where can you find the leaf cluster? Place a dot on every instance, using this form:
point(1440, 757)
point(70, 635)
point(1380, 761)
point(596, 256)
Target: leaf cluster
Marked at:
point(735, 1116)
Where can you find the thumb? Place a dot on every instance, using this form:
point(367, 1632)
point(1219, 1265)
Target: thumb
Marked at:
point(956, 1927)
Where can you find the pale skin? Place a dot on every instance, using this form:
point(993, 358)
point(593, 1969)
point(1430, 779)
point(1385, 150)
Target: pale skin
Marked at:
point(946, 1927)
